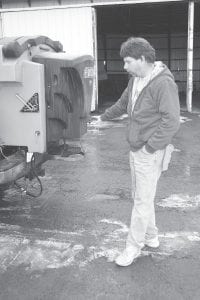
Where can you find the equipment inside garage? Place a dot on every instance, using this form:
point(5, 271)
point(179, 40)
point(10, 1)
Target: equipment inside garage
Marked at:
point(164, 25)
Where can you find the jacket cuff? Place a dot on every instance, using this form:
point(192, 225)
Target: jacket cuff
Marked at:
point(149, 149)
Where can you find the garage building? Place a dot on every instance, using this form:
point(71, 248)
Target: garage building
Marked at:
point(98, 27)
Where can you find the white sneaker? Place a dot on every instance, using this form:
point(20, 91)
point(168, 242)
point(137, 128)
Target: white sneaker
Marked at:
point(153, 243)
point(127, 256)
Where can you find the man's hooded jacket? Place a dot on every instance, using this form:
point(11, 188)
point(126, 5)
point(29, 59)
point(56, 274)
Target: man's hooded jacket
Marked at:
point(156, 115)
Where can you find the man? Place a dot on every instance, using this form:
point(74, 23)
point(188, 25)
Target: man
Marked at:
point(152, 102)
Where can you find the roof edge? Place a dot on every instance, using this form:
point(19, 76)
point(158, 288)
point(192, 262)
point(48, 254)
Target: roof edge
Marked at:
point(94, 4)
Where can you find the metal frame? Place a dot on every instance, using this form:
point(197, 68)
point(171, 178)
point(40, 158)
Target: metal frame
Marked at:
point(190, 55)
point(91, 4)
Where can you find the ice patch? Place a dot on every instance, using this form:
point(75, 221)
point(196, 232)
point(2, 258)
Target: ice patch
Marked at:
point(180, 201)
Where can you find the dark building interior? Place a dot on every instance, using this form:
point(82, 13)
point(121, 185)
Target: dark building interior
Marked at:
point(165, 25)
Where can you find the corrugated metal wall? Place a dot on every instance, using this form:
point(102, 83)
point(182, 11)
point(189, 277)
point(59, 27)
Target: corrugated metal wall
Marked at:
point(11, 4)
point(65, 25)
point(110, 61)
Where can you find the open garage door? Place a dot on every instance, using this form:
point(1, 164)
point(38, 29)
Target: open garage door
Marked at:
point(164, 25)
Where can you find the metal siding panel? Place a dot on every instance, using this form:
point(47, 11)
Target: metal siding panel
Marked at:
point(11, 4)
point(179, 54)
point(68, 2)
point(43, 3)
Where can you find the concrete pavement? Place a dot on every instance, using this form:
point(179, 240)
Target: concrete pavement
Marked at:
point(61, 245)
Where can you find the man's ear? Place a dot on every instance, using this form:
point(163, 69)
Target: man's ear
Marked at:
point(143, 58)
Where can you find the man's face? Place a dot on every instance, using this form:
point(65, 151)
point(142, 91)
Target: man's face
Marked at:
point(133, 66)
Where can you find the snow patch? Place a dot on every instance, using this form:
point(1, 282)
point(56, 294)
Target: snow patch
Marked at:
point(123, 226)
point(103, 197)
point(38, 249)
point(38, 254)
point(180, 201)
point(184, 119)
point(177, 150)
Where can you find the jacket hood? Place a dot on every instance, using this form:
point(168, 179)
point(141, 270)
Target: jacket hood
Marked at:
point(162, 70)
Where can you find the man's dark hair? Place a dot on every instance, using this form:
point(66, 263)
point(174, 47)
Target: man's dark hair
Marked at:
point(136, 47)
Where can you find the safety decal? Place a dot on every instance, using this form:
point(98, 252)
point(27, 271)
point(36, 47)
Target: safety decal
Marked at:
point(32, 105)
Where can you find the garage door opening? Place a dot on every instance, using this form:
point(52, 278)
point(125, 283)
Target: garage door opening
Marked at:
point(164, 25)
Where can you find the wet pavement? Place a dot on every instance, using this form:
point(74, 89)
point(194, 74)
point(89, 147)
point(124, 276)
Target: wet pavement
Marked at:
point(62, 244)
